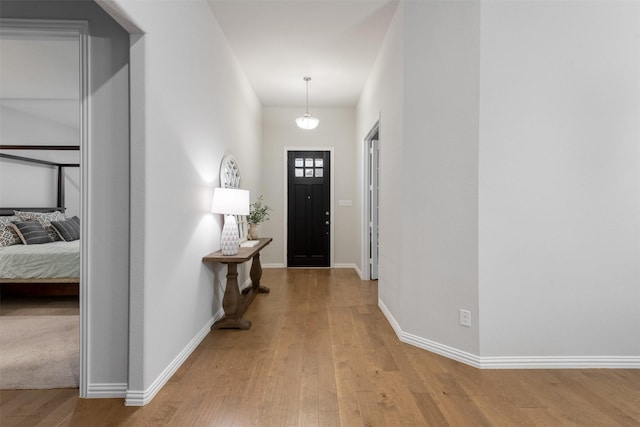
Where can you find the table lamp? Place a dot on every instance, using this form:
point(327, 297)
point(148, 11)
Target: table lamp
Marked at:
point(230, 202)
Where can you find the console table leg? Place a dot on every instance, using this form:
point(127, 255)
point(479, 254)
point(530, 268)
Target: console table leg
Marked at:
point(256, 275)
point(231, 302)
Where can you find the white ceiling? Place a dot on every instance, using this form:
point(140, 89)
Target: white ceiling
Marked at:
point(335, 42)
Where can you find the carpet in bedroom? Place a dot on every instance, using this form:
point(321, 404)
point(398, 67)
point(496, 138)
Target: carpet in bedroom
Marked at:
point(39, 345)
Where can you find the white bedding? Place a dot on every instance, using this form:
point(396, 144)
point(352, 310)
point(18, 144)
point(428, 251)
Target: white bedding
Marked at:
point(44, 261)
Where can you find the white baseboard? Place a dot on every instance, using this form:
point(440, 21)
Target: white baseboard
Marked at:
point(561, 362)
point(390, 318)
point(273, 265)
point(344, 265)
point(142, 397)
point(359, 272)
point(106, 390)
point(337, 265)
point(432, 346)
point(512, 362)
point(442, 350)
point(349, 265)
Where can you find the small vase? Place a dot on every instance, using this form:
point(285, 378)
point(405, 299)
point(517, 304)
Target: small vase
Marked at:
point(252, 234)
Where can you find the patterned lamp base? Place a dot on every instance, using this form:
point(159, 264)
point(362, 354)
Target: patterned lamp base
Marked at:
point(230, 239)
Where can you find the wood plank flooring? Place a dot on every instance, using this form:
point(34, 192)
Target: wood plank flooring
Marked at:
point(320, 353)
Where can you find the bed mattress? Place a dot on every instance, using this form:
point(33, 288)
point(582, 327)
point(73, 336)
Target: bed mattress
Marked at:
point(44, 261)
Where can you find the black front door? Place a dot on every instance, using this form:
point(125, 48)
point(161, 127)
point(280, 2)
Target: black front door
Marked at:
point(308, 208)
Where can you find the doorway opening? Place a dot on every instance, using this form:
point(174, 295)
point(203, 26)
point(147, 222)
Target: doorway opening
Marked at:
point(47, 114)
point(372, 206)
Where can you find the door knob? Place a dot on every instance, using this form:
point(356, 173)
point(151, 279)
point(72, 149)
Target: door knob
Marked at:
point(326, 222)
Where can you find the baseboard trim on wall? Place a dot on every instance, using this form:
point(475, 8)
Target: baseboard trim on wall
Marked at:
point(142, 397)
point(279, 265)
point(425, 344)
point(442, 350)
point(344, 265)
point(561, 362)
point(273, 265)
point(359, 272)
point(106, 390)
point(349, 265)
point(392, 320)
point(511, 362)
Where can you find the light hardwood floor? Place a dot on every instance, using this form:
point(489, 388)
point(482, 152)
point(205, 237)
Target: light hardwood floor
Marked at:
point(320, 353)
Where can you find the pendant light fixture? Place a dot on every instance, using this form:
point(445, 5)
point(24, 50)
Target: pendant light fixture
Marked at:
point(307, 121)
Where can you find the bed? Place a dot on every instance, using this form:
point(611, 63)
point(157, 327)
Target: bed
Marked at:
point(30, 263)
point(55, 262)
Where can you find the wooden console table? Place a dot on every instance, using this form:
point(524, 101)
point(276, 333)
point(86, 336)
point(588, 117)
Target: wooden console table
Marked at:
point(235, 302)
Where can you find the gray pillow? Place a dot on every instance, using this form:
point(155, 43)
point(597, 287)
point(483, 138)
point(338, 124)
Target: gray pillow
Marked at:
point(32, 232)
point(68, 230)
point(43, 218)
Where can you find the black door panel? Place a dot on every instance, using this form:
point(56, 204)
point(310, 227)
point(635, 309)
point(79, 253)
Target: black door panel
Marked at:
point(308, 208)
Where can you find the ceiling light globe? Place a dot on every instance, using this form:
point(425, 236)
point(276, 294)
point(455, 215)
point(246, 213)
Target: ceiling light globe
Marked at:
point(307, 122)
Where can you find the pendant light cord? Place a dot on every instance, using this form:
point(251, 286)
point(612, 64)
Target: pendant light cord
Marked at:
point(307, 121)
point(306, 79)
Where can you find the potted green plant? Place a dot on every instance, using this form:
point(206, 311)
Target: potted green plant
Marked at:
point(258, 213)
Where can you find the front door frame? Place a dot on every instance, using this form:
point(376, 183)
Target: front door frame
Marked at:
point(286, 200)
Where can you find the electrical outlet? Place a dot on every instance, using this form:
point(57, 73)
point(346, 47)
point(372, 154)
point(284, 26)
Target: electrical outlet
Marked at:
point(465, 318)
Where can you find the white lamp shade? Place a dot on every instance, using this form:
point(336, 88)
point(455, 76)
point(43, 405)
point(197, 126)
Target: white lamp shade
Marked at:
point(307, 122)
point(230, 201)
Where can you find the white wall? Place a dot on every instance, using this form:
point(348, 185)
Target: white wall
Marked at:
point(559, 168)
point(191, 104)
point(336, 131)
point(519, 196)
point(440, 179)
point(109, 206)
point(39, 90)
point(428, 201)
point(382, 98)
point(39, 105)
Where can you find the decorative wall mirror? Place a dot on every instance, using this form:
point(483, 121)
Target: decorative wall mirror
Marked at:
point(230, 177)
